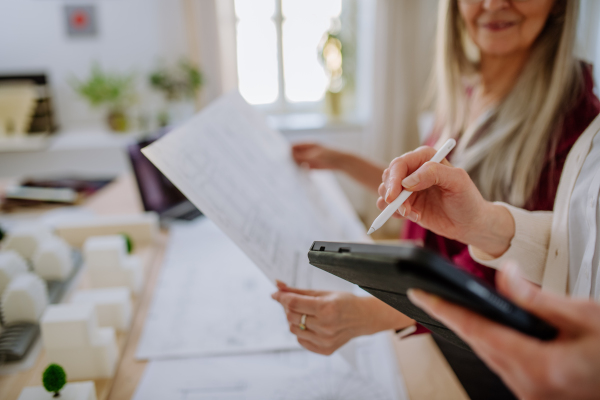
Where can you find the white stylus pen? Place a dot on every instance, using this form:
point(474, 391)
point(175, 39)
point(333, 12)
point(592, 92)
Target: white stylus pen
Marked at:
point(405, 194)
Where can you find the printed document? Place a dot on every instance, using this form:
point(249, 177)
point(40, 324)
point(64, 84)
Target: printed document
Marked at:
point(239, 172)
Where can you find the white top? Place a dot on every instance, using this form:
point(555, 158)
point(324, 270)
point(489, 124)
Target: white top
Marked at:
point(584, 222)
point(548, 246)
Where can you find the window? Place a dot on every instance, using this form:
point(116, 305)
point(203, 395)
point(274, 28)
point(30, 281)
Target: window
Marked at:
point(278, 50)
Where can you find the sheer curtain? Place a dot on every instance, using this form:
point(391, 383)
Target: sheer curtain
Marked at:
point(210, 33)
point(404, 38)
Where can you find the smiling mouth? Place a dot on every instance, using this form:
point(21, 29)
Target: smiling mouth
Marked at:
point(498, 25)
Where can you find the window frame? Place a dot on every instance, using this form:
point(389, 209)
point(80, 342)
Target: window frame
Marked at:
point(360, 112)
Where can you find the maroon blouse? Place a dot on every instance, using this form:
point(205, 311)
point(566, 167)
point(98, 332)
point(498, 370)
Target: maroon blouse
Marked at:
point(575, 122)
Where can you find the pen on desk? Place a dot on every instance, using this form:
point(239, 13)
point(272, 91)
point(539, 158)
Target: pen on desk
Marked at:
point(405, 194)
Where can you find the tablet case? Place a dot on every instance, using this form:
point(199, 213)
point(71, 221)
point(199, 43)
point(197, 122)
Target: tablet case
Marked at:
point(387, 272)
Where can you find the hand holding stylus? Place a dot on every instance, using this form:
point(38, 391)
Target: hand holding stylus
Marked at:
point(395, 205)
point(445, 201)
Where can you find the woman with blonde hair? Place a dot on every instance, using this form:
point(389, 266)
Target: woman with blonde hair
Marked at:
point(507, 86)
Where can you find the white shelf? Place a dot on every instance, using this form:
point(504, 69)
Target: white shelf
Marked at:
point(91, 139)
point(80, 139)
point(19, 143)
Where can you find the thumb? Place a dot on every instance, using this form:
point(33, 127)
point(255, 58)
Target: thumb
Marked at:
point(560, 311)
point(436, 174)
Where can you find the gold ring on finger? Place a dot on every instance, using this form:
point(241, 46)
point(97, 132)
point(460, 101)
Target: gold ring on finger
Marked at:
point(303, 322)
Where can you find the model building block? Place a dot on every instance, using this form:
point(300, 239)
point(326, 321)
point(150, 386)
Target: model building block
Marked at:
point(25, 299)
point(113, 305)
point(105, 251)
point(69, 325)
point(98, 360)
point(72, 391)
point(25, 239)
point(142, 228)
point(53, 260)
point(108, 264)
point(130, 274)
point(73, 340)
point(11, 265)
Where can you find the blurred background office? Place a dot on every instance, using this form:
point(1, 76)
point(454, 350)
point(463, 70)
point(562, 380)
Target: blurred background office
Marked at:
point(86, 78)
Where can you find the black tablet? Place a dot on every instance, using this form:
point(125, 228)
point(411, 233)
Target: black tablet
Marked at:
point(387, 272)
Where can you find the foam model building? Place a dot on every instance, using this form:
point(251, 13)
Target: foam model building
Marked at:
point(26, 238)
point(25, 299)
point(72, 391)
point(113, 305)
point(11, 265)
point(109, 265)
point(142, 228)
point(52, 260)
point(73, 340)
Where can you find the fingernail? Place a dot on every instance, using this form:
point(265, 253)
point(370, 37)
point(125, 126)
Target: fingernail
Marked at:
point(387, 195)
point(413, 216)
point(402, 210)
point(518, 286)
point(410, 181)
point(416, 297)
point(410, 293)
point(279, 283)
point(423, 300)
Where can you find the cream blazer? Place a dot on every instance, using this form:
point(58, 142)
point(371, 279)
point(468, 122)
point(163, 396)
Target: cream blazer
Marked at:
point(541, 241)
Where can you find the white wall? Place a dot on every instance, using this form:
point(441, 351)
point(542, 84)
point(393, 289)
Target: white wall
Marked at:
point(133, 36)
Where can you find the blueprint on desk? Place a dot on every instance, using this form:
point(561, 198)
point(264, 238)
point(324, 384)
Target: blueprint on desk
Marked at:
point(211, 299)
point(286, 375)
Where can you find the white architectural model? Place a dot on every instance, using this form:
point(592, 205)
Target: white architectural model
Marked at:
point(113, 305)
point(25, 299)
point(52, 260)
point(25, 239)
point(109, 265)
point(74, 341)
point(11, 265)
point(142, 228)
point(72, 391)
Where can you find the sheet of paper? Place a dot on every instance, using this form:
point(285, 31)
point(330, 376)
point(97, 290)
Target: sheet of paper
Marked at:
point(288, 375)
point(210, 299)
point(240, 174)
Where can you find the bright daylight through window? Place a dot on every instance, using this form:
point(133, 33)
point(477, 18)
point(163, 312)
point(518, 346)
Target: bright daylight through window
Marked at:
point(289, 52)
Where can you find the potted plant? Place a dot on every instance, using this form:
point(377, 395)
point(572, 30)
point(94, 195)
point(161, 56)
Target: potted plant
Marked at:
point(336, 53)
point(113, 91)
point(331, 58)
point(179, 85)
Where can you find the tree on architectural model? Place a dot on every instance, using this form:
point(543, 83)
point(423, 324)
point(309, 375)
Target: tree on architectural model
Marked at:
point(129, 242)
point(54, 378)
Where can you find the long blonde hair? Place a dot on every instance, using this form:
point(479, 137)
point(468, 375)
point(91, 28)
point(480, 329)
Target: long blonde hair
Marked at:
point(504, 152)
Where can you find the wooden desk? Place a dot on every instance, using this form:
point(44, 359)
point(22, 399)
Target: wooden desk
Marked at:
point(426, 373)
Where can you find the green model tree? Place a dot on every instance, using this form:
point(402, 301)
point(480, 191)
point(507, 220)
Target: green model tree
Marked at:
point(54, 378)
point(129, 242)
